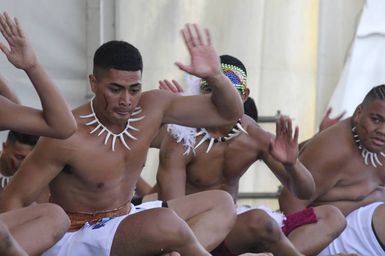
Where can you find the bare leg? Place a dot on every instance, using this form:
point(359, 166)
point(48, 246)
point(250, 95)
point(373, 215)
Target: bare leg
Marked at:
point(49, 221)
point(311, 239)
point(8, 245)
point(210, 214)
point(255, 231)
point(155, 232)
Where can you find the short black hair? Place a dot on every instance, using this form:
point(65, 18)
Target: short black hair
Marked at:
point(118, 55)
point(376, 93)
point(250, 108)
point(228, 59)
point(22, 138)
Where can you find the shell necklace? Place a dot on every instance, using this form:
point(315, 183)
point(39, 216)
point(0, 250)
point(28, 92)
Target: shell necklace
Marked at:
point(365, 153)
point(104, 130)
point(235, 131)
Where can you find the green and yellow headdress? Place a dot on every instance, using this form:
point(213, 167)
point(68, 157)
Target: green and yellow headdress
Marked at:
point(234, 70)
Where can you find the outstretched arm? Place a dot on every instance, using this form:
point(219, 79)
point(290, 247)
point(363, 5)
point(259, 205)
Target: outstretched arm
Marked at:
point(283, 161)
point(56, 120)
point(223, 106)
point(6, 92)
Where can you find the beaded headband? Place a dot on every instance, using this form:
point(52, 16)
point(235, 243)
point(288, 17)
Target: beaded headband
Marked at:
point(236, 75)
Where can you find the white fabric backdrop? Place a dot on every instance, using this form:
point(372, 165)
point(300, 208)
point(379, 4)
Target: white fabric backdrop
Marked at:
point(279, 41)
point(276, 40)
point(365, 65)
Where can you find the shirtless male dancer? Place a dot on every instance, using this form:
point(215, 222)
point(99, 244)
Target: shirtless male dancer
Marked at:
point(16, 148)
point(18, 228)
point(92, 174)
point(216, 158)
point(347, 163)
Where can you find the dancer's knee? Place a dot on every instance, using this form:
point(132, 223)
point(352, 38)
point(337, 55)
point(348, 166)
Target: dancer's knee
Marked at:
point(171, 228)
point(332, 217)
point(261, 226)
point(57, 220)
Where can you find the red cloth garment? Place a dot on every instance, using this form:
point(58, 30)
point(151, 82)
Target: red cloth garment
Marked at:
point(298, 219)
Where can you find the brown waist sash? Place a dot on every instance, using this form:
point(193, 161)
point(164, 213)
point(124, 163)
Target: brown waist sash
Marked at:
point(78, 219)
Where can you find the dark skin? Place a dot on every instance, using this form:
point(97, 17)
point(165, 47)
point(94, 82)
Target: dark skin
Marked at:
point(78, 169)
point(18, 227)
point(341, 176)
point(222, 167)
point(226, 162)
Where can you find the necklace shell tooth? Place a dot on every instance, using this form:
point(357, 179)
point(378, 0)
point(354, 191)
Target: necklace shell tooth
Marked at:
point(235, 131)
point(109, 133)
point(367, 155)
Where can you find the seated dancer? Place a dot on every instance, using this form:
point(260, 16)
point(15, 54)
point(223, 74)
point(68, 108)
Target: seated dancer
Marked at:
point(93, 173)
point(18, 228)
point(194, 160)
point(348, 166)
point(16, 148)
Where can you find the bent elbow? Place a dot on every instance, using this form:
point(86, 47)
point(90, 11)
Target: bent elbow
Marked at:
point(306, 193)
point(65, 131)
point(234, 114)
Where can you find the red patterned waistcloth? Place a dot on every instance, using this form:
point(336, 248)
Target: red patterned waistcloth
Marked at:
point(298, 219)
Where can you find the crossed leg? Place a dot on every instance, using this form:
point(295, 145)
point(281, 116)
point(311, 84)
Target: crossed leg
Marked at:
point(155, 232)
point(255, 231)
point(311, 239)
point(190, 226)
point(8, 245)
point(210, 214)
point(47, 220)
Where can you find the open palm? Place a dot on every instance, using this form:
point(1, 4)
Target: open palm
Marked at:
point(204, 59)
point(284, 147)
point(19, 52)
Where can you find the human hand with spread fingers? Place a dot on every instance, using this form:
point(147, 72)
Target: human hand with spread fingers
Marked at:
point(204, 59)
point(284, 147)
point(19, 52)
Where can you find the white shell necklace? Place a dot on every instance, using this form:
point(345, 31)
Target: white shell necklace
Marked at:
point(235, 131)
point(366, 154)
point(103, 129)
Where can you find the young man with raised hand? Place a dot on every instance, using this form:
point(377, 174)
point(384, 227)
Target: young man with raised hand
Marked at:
point(194, 160)
point(92, 174)
point(347, 163)
point(18, 228)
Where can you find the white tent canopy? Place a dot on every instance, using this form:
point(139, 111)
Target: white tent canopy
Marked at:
point(365, 65)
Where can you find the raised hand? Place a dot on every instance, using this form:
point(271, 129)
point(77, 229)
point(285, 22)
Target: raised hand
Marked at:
point(204, 59)
point(171, 86)
point(19, 52)
point(284, 147)
point(327, 121)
